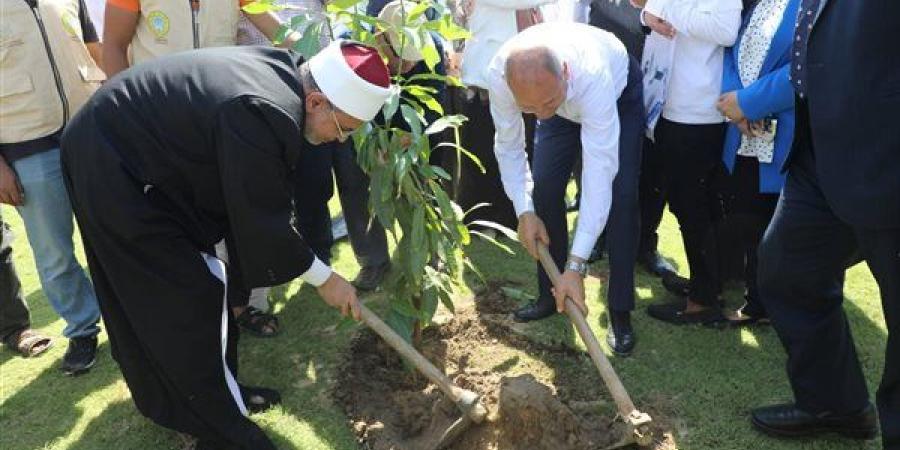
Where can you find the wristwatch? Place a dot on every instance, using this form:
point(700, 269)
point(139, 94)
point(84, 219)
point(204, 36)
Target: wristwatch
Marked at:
point(578, 267)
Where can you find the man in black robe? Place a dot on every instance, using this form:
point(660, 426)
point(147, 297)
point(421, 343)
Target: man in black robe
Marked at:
point(171, 157)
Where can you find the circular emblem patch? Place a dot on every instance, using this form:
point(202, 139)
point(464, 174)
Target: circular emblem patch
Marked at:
point(158, 23)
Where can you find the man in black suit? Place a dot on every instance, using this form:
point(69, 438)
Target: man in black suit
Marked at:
point(842, 198)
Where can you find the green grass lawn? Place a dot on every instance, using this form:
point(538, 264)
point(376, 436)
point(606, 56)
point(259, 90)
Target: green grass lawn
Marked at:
point(706, 379)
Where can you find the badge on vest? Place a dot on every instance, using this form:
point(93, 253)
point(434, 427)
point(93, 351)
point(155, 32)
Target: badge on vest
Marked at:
point(158, 23)
point(72, 25)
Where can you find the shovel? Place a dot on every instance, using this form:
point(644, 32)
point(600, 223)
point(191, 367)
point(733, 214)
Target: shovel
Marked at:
point(468, 402)
point(638, 422)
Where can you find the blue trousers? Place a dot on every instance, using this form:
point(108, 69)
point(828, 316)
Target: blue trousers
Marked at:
point(802, 259)
point(556, 148)
point(47, 215)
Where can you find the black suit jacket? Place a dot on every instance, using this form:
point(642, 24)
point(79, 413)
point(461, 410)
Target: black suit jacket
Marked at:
point(623, 20)
point(853, 88)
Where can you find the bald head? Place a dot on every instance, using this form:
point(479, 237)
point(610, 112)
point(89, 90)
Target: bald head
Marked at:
point(536, 77)
point(527, 62)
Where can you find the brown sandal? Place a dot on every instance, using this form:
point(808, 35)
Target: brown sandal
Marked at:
point(29, 343)
point(258, 323)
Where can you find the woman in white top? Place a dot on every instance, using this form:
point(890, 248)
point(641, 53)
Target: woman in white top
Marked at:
point(491, 23)
point(690, 135)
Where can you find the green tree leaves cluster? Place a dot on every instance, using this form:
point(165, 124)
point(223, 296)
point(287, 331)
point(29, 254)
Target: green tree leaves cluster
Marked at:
point(405, 187)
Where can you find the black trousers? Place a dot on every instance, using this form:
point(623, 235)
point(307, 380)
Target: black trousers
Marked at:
point(746, 214)
point(652, 196)
point(13, 310)
point(802, 260)
point(557, 147)
point(692, 156)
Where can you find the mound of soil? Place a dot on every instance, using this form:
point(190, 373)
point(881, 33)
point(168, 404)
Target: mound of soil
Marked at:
point(539, 396)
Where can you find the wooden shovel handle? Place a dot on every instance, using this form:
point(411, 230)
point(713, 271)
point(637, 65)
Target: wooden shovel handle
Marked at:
point(610, 378)
point(409, 353)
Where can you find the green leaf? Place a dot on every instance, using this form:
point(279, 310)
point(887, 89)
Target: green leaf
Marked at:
point(417, 249)
point(417, 89)
point(410, 37)
point(431, 103)
point(441, 172)
point(404, 306)
point(452, 81)
point(335, 6)
point(400, 323)
point(261, 6)
point(282, 32)
point(448, 29)
point(413, 119)
point(309, 44)
point(493, 241)
point(429, 305)
point(516, 294)
point(391, 105)
point(417, 11)
point(429, 51)
point(345, 324)
point(496, 226)
point(443, 123)
point(468, 154)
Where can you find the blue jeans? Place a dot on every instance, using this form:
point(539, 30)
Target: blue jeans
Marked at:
point(47, 215)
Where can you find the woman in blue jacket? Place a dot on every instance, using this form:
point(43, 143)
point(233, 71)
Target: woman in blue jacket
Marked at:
point(759, 101)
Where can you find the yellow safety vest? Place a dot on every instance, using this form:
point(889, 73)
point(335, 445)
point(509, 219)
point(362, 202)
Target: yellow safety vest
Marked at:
point(46, 72)
point(167, 26)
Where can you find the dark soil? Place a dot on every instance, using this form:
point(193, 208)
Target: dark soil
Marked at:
point(539, 396)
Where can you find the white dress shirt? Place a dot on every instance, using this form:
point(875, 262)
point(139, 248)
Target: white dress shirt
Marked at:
point(567, 11)
point(597, 66)
point(703, 28)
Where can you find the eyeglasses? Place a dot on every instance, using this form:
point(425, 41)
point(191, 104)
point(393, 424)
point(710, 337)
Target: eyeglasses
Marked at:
point(342, 132)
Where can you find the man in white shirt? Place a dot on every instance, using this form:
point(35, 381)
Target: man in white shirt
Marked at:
point(690, 135)
point(586, 93)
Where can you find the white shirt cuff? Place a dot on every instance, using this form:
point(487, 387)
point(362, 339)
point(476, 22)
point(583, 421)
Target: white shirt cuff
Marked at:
point(583, 244)
point(654, 7)
point(523, 205)
point(317, 274)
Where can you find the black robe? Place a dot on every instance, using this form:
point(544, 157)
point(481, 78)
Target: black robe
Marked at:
point(164, 161)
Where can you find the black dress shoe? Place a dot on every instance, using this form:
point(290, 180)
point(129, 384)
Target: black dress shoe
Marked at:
point(787, 420)
point(370, 277)
point(677, 285)
point(620, 337)
point(655, 264)
point(540, 309)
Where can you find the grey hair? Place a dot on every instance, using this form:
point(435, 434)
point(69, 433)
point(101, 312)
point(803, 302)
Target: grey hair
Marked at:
point(307, 80)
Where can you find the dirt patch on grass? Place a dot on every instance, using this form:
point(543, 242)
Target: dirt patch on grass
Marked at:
point(539, 396)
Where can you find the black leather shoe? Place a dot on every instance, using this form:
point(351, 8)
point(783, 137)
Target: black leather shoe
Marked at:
point(655, 264)
point(620, 337)
point(787, 420)
point(677, 285)
point(540, 309)
point(370, 277)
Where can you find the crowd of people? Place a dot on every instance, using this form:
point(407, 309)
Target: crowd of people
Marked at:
point(199, 160)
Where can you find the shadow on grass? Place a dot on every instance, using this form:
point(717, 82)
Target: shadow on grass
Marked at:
point(55, 395)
